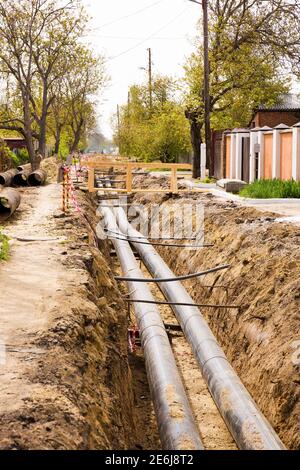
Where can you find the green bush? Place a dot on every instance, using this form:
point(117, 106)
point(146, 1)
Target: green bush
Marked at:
point(268, 189)
point(4, 247)
point(15, 159)
point(23, 156)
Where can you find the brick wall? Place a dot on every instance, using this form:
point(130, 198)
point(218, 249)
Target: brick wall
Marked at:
point(273, 118)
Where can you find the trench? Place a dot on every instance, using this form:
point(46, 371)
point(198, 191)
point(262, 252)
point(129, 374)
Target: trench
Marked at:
point(89, 393)
point(213, 422)
point(260, 338)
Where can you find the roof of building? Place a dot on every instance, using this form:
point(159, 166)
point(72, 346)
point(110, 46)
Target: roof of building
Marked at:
point(286, 102)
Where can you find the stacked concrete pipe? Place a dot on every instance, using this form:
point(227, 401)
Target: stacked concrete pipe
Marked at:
point(37, 178)
point(21, 178)
point(6, 178)
point(9, 201)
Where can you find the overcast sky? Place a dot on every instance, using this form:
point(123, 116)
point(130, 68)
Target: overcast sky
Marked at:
point(124, 29)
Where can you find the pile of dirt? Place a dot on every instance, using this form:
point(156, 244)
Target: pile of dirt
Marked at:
point(260, 339)
point(50, 165)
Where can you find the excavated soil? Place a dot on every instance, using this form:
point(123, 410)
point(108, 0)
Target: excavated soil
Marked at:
point(262, 339)
point(65, 381)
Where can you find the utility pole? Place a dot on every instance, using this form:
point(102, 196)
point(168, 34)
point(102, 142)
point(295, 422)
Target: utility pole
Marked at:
point(150, 79)
point(206, 85)
point(118, 118)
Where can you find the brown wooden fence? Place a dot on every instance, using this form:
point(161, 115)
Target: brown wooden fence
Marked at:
point(93, 166)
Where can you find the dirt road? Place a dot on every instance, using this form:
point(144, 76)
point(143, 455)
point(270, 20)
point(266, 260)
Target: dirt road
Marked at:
point(64, 368)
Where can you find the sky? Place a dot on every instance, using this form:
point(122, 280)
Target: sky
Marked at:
point(122, 30)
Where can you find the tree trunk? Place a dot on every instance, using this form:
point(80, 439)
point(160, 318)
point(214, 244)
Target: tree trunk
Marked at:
point(28, 134)
point(196, 144)
point(77, 136)
point(43, 123)
point(57, 139)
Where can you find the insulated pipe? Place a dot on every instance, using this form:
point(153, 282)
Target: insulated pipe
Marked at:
point(37, 178)
point(20, 179)
point(6, 177)
point(9, 201)
point(177, 428)
point(248, 426)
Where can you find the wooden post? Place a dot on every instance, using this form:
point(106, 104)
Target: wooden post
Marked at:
point(129, 178)
point(91, 179)
point(174, 186)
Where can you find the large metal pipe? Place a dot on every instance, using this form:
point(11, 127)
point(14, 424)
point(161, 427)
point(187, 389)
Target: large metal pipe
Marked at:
point(247, 424)
point(9, 201)
point(20, 179)
point(176, 424)
point(6, 177)
point(37, 178)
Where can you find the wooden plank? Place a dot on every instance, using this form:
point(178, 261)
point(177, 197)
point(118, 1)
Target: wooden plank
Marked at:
point(174, 184)
point(268, 156)
point(95, 164)
point(91, 180)
point(286, 155)
point(129, 178)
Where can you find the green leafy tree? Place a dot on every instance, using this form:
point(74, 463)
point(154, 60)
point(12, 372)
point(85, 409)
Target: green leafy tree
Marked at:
point(253, 44)
point(159, 133)
point(36, 39)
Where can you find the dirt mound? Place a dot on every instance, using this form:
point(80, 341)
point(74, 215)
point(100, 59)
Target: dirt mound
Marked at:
point(51, 167)
point(261, 338)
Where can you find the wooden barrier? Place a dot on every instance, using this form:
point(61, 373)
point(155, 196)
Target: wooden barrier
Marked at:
point(129, 167)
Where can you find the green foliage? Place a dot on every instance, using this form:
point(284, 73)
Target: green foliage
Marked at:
point(7, 157)
point(160, 133)
point(267, 189)
point(4, 247)
point(245, 68)
point(23, 156)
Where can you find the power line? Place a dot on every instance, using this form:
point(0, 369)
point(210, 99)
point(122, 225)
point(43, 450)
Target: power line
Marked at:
point(137, 12)
point(150, 36)
point(167, 38)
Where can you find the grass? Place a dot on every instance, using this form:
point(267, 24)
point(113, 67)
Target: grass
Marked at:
point(268, 189)
point(4, 247)
point(207, 180)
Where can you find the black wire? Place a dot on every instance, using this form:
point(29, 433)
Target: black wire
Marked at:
point(183, 304)
point(177, 245)
point(172, 279)
point(151, 238)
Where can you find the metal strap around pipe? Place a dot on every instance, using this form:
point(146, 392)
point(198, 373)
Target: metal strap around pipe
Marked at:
point(177, 245)
point(175, 419)
point(247, 424)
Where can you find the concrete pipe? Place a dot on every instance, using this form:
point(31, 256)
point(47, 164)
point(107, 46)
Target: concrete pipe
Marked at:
point(37, 178)
point(247, 424)
point(6, 178)
point(21, 179)
point(9, 201)
point(177, 428)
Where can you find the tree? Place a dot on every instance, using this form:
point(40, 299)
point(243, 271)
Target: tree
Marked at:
point(83, 81)
point(252, 42)
point(157, 133)
point(34, 38)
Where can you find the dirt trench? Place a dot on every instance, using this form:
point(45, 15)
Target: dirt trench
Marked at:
point(65, 380)
point(262, 339)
